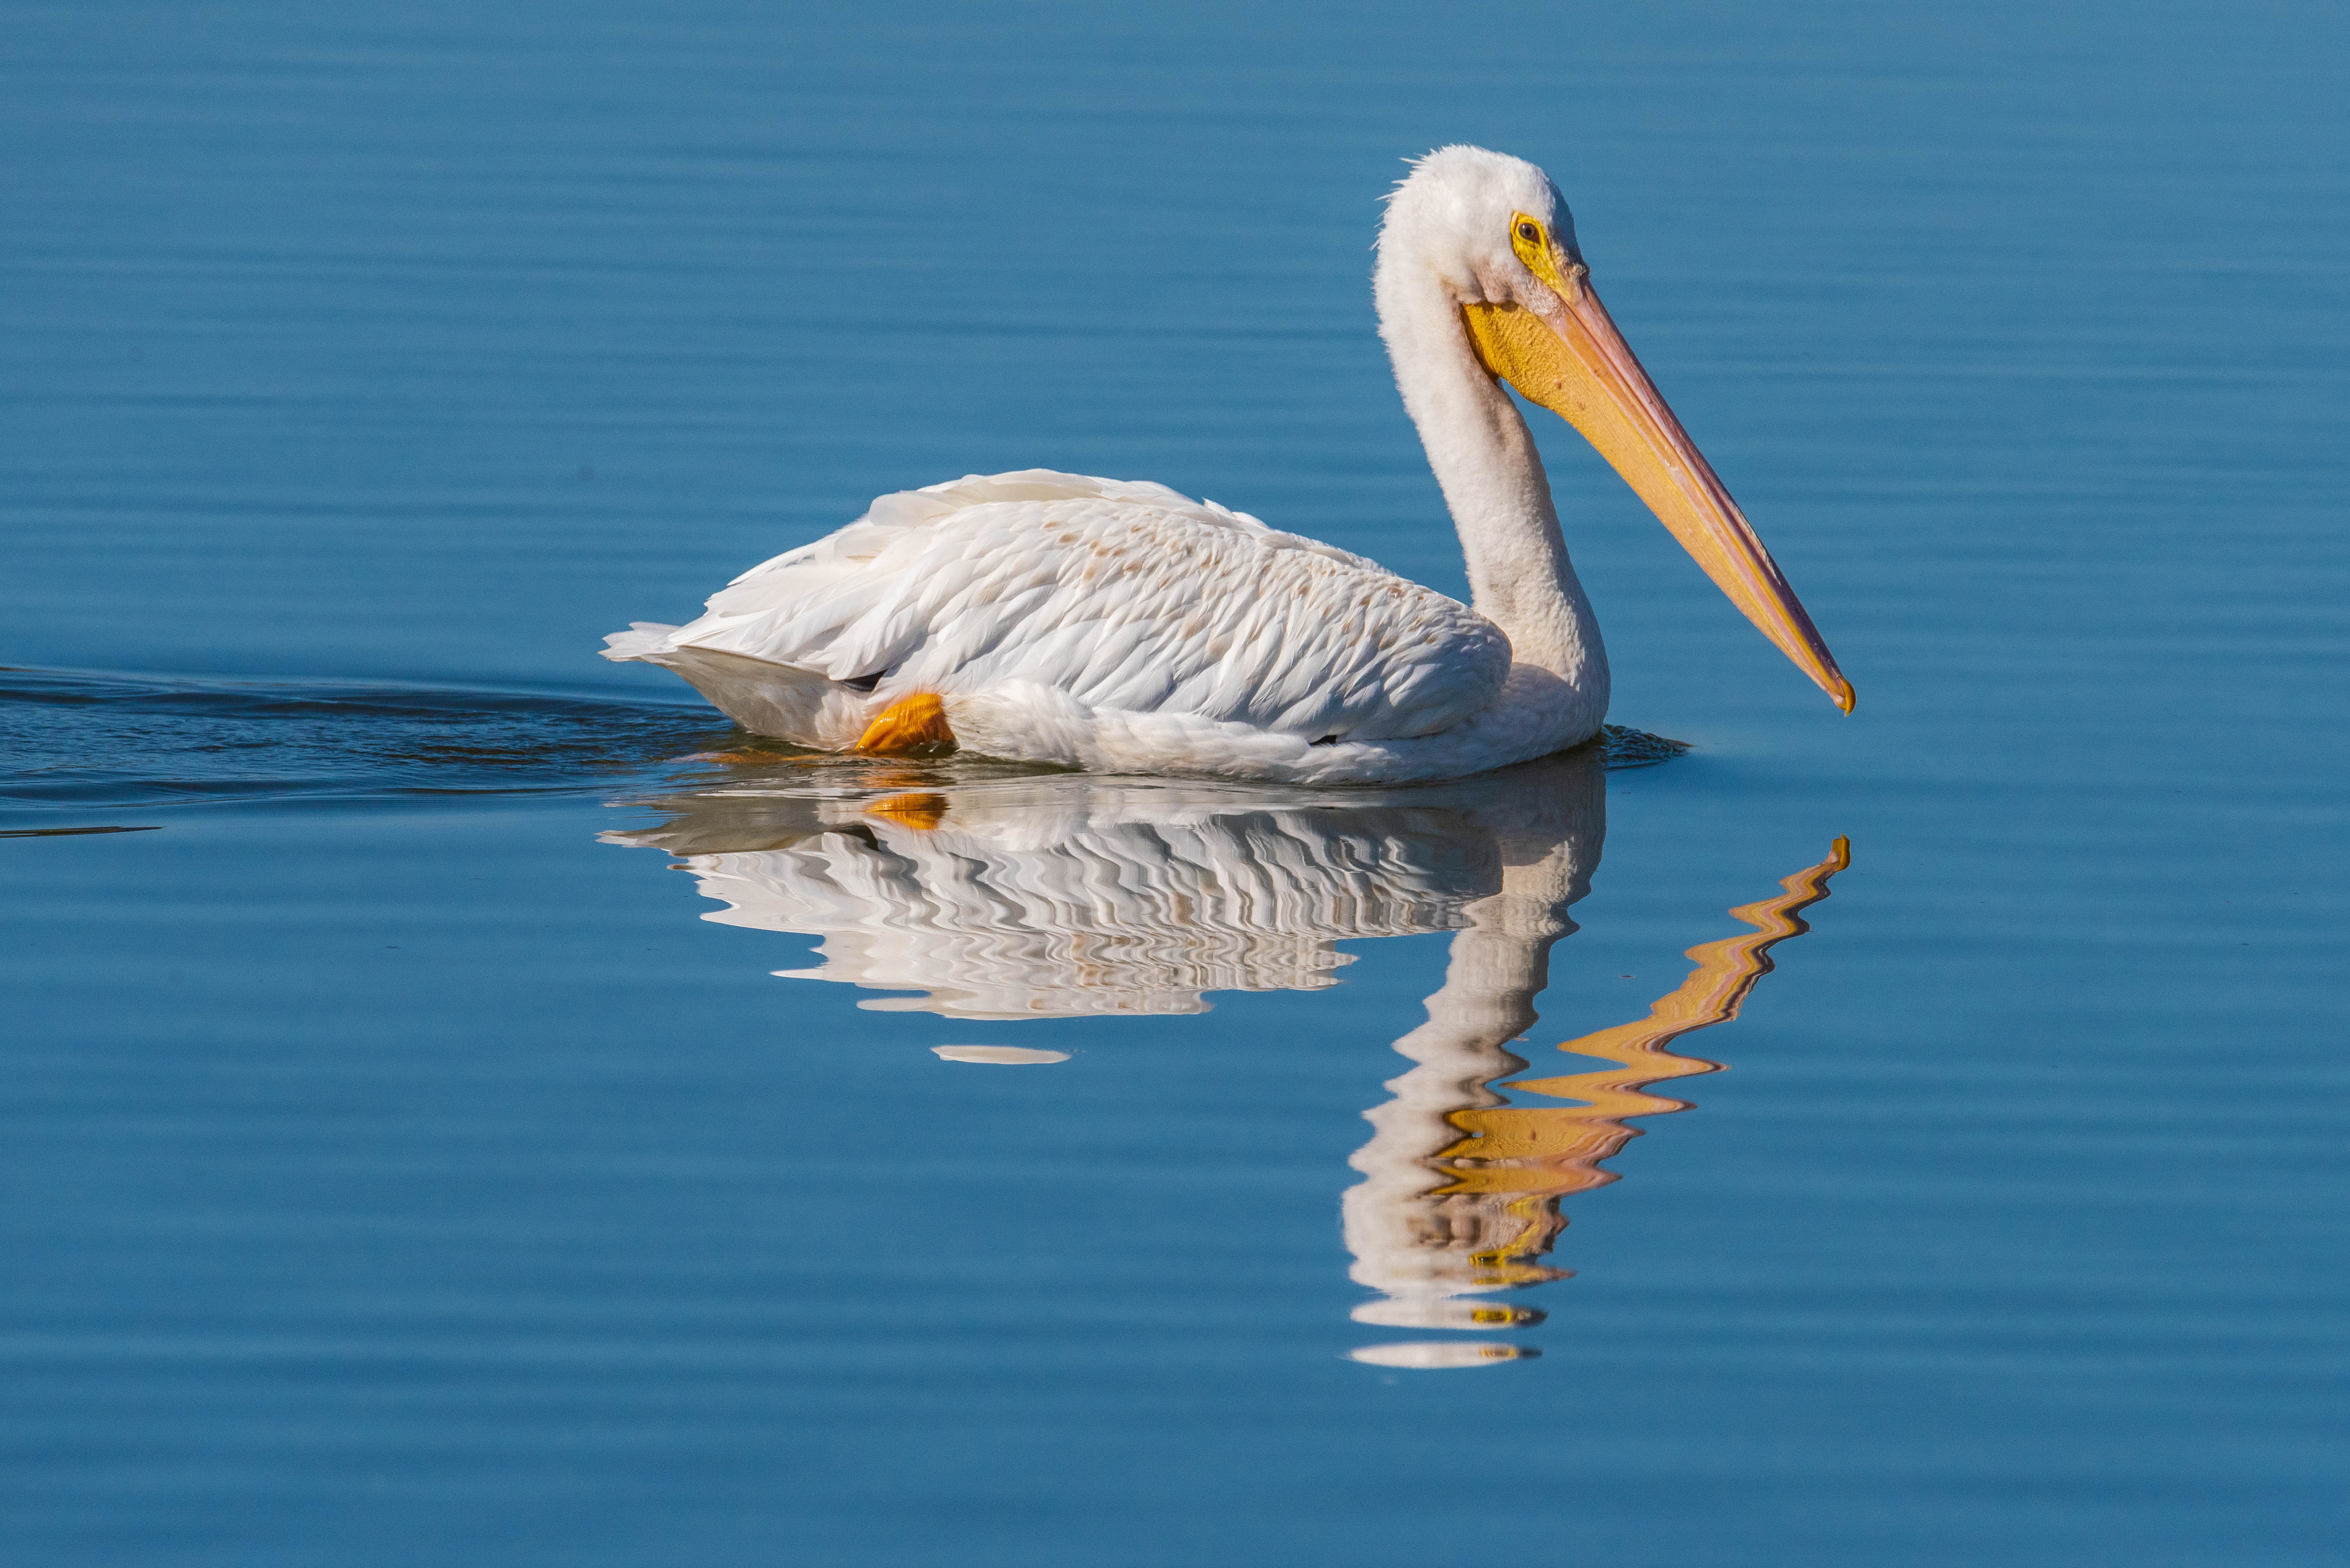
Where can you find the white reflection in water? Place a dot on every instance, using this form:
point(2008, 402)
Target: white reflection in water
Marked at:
point(1063, 895)
point(999, 1055)
point(1060, 895)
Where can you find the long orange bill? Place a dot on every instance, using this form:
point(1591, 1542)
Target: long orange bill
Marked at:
point(1574, 363)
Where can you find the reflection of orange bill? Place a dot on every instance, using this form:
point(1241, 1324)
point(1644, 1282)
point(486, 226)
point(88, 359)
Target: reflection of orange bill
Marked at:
point(1555, 1149)
point(1574, 363)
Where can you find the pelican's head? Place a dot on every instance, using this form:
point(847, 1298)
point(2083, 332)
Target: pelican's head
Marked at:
point(1495, 234)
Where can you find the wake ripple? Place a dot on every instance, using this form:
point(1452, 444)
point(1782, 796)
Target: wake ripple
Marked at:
point(80, 741)
point(72, 739)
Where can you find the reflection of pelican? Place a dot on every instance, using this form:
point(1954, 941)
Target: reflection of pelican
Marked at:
point(1121, 628)
point(1056, 895)
point(1439, 1215)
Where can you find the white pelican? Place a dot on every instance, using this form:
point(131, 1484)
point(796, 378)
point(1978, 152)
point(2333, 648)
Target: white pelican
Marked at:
point(1121, 628)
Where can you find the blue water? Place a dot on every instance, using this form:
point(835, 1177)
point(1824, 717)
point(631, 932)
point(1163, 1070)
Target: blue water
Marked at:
point(398, 1167)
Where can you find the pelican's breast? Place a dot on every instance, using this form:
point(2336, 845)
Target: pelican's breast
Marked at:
point(1120, 597)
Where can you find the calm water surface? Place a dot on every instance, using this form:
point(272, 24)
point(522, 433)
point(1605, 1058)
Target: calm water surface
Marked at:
point(964, 1164)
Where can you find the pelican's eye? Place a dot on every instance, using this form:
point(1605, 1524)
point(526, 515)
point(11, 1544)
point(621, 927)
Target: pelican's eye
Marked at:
point(1532, 243)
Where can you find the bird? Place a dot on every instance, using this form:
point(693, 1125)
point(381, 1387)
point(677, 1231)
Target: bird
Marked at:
point(1119, 627)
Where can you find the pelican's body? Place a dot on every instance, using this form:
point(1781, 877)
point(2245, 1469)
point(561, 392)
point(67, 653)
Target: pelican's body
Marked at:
point(1118, 627)
point(1121, 628)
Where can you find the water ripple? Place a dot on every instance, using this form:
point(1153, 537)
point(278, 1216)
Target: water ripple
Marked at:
point(92, 740)
point(78, 740)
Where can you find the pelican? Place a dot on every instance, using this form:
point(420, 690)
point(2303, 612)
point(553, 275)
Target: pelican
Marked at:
point(1120, 628)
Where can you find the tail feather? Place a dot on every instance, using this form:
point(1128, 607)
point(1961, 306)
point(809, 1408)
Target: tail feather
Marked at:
point(644, 639)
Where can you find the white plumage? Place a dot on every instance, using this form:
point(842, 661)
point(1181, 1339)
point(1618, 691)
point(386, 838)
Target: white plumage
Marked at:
point(1119, 627)
point(1122, 596)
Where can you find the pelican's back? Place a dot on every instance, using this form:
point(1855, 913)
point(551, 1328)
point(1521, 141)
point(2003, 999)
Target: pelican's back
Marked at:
point(1113, 597)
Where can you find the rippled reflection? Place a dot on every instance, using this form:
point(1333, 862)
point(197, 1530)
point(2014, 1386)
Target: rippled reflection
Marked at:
point(1055, 896)
point(1441, 1216)
point(1051, 896)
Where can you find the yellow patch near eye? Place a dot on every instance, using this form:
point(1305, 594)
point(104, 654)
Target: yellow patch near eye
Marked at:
point(1531, 242)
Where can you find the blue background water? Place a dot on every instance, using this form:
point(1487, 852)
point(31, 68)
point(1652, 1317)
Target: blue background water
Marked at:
point(394, 1172)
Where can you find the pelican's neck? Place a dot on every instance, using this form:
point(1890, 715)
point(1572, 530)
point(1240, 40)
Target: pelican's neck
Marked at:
point(1518, 574)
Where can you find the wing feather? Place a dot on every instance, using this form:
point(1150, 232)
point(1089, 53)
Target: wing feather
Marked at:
point(1123, 595)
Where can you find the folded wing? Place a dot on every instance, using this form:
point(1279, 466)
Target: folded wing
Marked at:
point(1123, 596)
